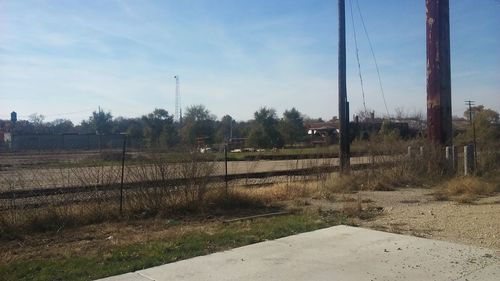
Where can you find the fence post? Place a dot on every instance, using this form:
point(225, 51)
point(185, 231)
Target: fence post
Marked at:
point(123, 169)
point(468, 159)
point(410, 152)
point(450, 157)
point(225, 168)
point(455, 158)
point(421, 151)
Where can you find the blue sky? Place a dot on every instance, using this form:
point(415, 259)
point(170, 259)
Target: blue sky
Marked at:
point(63, 59)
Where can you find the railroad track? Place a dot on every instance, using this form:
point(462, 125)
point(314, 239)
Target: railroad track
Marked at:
point(40, 197)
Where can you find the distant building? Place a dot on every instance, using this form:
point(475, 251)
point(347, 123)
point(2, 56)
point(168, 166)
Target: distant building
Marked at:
point(322, 133)
point(5, 140)
point(202, 141)
point(236, 143)
point(13, 117)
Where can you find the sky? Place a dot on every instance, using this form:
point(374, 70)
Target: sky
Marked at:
point(64, 59)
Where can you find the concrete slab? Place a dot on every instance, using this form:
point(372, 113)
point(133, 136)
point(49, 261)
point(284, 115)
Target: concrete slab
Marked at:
point(336, 253)
point(132, 276)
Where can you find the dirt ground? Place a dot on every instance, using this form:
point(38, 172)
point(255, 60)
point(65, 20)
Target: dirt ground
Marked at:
point(415, 211)
point(406, 211)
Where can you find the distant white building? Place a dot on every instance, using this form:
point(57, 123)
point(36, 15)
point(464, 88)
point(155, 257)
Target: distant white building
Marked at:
point(5, 139)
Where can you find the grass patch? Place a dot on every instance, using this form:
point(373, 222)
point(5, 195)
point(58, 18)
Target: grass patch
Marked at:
point(281, 192)
point(465, 189)
point(143, 255)
point(380, 180)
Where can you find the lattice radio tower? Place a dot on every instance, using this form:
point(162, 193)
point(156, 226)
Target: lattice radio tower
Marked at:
point(178, 109)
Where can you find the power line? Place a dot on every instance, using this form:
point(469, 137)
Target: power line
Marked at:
point(357, 56)
point(68, 113)
point(374, 58)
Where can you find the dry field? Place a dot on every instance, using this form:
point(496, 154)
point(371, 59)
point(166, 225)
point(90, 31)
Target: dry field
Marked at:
point(86, 238)
point(412, 211)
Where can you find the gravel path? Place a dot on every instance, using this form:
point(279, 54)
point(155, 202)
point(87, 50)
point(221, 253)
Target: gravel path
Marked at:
point(416, 212)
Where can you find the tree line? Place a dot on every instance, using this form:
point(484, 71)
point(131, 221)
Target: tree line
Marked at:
point(158, 128)
point(265, 130)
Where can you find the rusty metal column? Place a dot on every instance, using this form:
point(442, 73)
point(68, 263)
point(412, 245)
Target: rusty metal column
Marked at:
point(343, 105)
point(438, 72)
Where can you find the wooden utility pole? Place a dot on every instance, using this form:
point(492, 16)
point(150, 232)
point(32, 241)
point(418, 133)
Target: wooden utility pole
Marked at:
point(470, 103)
point(438, 73)
point(343, 104)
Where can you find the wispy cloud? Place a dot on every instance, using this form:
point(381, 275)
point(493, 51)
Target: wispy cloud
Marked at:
point(233, 57)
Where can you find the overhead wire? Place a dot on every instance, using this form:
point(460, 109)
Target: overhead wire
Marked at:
point(357, 57)
point(373, 55)
point(68, 113)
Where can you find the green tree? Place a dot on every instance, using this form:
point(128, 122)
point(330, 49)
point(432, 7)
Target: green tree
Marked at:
point(198, 122)
point(486, 122)
point(61, 126)
point(135, 128)
point(483, 113)
point(120, 125)
point(264, 132)
point(159, 128)
point(100, 122)
point(258, 137)
point(291, 126)
point(226, 128)
point(23, 127)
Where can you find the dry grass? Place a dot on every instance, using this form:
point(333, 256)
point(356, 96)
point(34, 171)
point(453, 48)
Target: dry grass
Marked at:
point(352, 208)
point(140, 204)
point(465, 189)
point(489, 164)
point(382, 179)
point(196, 197)
point(158, 196)
point(14, 223)
point(281, 191)
point(198, 194)
point(406, 170)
